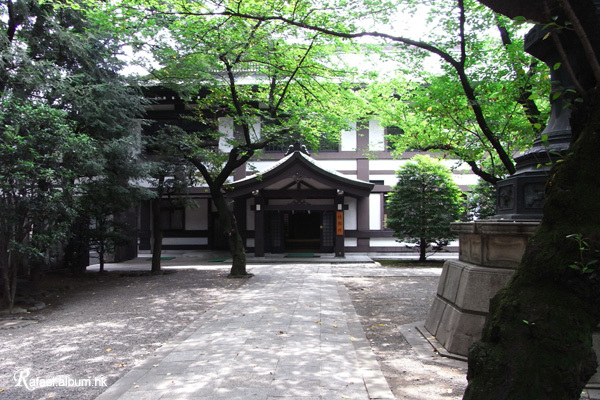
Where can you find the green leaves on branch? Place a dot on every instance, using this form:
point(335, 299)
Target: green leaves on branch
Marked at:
point(588, 257)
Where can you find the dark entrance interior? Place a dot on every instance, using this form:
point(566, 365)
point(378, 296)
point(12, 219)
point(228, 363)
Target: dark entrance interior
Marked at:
point(302, 230)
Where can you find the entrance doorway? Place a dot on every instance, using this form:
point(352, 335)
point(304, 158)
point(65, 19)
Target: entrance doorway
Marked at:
point(299, 231)
point(302, 231)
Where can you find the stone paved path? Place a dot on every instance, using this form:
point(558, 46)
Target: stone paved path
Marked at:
point(291, 333)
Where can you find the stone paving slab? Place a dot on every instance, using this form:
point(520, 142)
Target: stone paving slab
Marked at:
point(289, 333)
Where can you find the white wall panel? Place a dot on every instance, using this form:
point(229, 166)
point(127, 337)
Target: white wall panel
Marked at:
point(348, 138)
point(385, 242)
point(350, 242)
point(376, 136)
point(389, 180)
point(375, 211)
point(350, 215)
point(338, 165)
point(196, 218)
point(226, 128)
point(386, 165)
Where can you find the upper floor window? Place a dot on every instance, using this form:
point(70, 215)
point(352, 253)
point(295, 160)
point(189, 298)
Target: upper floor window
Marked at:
point(326, 144)
point(390, 132)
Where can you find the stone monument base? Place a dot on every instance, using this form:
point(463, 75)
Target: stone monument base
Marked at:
point(489, 253)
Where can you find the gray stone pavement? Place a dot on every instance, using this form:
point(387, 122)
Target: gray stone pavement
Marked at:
point(290, 333)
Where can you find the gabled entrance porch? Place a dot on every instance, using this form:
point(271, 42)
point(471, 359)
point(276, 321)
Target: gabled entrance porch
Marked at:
point(295, 205)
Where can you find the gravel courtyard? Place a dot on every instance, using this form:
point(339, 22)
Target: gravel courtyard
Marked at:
point(95, 329)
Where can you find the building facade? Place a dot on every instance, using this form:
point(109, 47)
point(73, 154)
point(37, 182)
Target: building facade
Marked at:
point(331, 199)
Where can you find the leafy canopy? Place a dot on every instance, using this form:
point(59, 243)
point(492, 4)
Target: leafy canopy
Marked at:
point(487, 100)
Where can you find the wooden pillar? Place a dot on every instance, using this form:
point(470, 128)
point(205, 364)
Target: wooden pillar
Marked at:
point(339, 224)
point(362, 219)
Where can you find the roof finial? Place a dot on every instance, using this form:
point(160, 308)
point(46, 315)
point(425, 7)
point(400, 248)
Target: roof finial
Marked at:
point(297, 147)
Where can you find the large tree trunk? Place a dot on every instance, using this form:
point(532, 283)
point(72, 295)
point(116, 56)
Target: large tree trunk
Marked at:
point(233, 236)
point(101, 253)
point(422, 250)
point(8, 276)
point(537, 341)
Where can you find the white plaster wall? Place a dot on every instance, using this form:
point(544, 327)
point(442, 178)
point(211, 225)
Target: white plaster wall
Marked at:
point(386, 165)
point(185, 241)
point(465, 179)
point(250, 242)
point(225, 128)
point(338, 165)
point(350, 242)
point(375, 211)
point(196, 218)
point(389, 180)
point(350, 215)
point(391, 242)
point(385, 242)
point(455, 164)
point(348, 138)
point(376, 136)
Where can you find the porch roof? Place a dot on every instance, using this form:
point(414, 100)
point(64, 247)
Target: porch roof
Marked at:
point(298, 171)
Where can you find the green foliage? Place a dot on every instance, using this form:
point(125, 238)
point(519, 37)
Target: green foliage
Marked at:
point(255, 83)
point(481, 200)
point(103, 197)
point(485, 100)
point(36, 175)
point(423, 204)
point(62, 104)
point(488, 90)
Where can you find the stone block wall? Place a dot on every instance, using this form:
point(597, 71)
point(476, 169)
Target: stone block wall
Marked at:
point(489, 252)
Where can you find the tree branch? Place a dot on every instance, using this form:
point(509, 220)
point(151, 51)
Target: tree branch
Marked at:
point(589, 52)
point(458, 66)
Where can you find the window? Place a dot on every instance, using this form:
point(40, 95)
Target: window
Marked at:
point(276, 148)
point(390, 132)
point(172, 216)
point(386, 212)
point(326, 144)
point(329, 144)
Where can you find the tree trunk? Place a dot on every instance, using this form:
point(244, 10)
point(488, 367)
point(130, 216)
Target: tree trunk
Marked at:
point(157, 233)
point(8, 275)
point(537, 341)
point(6, 300)
point(232, 233)
point(422, 250)
point(4, 274)
point(101, 256)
